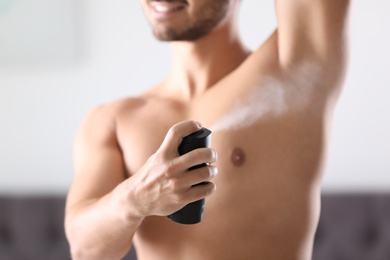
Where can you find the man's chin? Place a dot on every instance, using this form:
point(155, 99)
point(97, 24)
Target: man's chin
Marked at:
point(171, 36)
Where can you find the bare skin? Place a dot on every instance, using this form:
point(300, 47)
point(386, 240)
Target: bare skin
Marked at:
point(264, 202)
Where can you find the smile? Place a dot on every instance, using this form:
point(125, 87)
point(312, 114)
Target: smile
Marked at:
point(165, 8)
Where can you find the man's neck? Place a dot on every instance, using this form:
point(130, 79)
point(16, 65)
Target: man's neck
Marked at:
point(198, 65)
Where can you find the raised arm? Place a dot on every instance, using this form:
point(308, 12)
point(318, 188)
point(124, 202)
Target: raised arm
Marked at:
point(312, 29)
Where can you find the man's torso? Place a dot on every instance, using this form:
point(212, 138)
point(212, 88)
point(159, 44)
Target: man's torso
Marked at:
point(267, 201)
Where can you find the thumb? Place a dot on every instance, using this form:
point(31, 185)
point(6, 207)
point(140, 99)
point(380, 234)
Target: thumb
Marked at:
point(176, 133)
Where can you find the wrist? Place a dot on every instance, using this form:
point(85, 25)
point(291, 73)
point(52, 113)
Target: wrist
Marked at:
point(126, 204)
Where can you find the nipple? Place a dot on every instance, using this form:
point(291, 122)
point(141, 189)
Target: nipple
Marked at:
point(238, 157)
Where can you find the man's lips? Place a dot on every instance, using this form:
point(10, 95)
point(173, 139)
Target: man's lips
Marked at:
point(167, 7)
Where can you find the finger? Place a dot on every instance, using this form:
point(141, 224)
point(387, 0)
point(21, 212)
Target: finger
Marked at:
point(200, 191)
point(198, 156)
point(176, 133)
point(197, 176)
point(195, 157)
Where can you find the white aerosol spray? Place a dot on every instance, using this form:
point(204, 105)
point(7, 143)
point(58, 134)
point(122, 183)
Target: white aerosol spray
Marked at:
point(272, 97)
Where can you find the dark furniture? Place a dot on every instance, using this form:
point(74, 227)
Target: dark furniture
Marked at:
point(352, 227)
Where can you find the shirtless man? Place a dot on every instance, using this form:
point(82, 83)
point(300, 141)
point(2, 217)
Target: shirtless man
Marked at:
point(270, 111)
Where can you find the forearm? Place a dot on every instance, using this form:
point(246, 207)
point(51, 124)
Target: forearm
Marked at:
point(100, 228)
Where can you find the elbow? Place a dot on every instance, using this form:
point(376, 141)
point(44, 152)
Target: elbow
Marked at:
point(78, 253)
point(82, 253)
point(79, 250)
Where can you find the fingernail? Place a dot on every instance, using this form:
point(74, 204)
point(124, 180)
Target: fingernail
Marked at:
point(214, 171)
point(199, 124)
point(215, 155)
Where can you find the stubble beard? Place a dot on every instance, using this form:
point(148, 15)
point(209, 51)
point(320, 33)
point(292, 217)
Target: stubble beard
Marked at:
point(208, 18)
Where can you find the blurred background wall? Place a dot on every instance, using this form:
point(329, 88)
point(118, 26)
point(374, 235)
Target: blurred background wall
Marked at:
point(61, 58)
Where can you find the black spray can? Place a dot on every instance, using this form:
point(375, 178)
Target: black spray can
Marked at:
point(193, 213)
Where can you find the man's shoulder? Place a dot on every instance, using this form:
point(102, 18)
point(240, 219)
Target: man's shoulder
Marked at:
point(104, 117)
point(117, 107)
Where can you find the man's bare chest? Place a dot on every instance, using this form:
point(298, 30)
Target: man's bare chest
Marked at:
point(250, 125)
point(246, 152)
point(260, 165)
point(140, 134)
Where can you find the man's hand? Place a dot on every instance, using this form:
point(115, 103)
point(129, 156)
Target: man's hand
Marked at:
point(163, 185)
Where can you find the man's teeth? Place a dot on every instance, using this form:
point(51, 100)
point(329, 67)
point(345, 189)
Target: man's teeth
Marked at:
point(162, 8)
point(166, 7)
